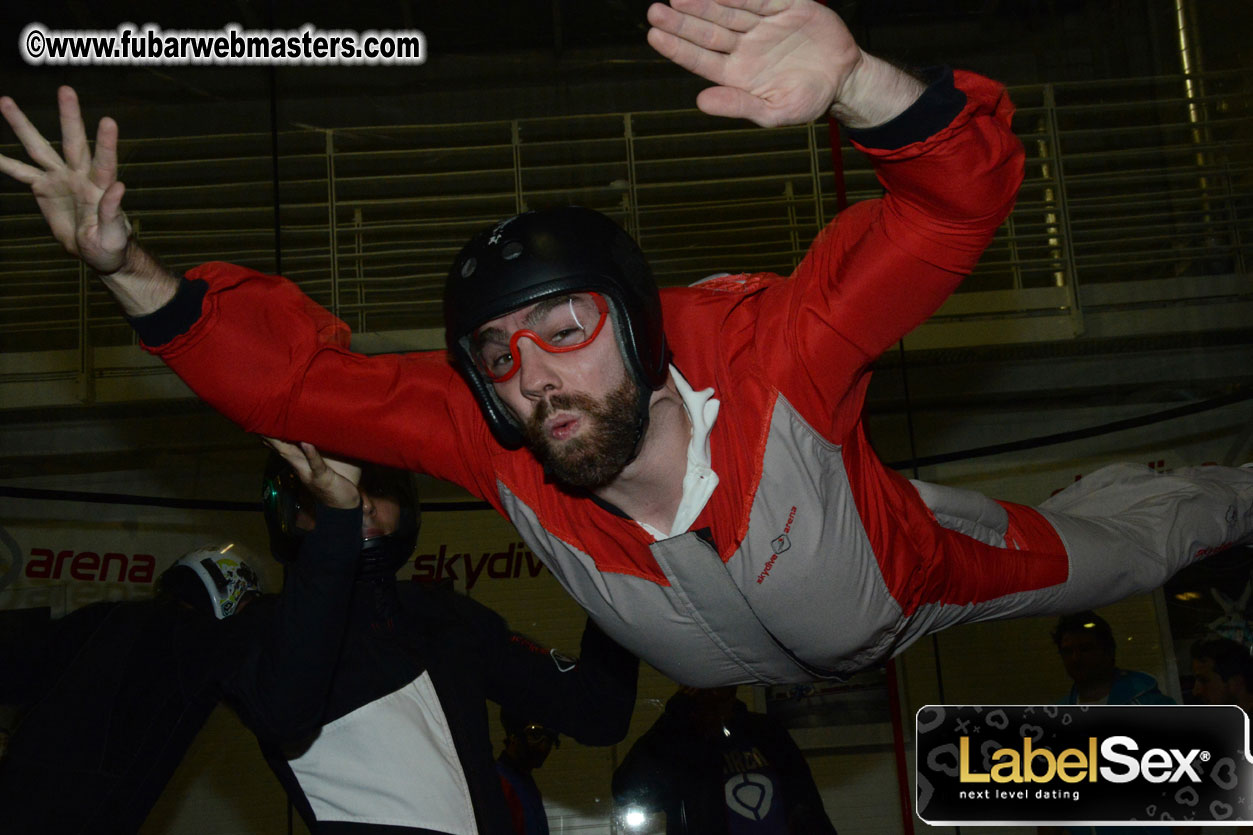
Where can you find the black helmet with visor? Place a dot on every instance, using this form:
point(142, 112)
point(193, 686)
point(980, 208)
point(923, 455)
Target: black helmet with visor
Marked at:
point(544, 254)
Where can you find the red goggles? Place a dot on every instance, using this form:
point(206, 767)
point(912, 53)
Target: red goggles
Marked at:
point(559, 325)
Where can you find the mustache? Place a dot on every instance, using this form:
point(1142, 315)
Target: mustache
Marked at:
point(561, 402)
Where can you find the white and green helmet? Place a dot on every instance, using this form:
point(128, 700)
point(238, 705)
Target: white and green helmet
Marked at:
point(222, 574)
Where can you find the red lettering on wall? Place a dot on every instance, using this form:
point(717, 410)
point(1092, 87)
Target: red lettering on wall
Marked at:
point(89, 566)
point(40, 565)
point(120, 559)
point(84, 566)
point(515, 561)
point(143, 568)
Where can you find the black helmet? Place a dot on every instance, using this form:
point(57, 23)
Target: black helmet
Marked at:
point(546, 253)
point(382, 556)
point(283, 497)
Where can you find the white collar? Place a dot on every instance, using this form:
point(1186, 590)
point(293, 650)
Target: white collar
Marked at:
point(700, 480)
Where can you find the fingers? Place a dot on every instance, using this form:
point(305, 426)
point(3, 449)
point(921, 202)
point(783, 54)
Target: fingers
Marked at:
point(103, 166)
point(735, 15)
point(689, 56)
point(317, 466)
point(104, 163)
point(312, 466)
point(292, 454)
point(19, 171)
point(694, 28)
point(759, 8)
point(275, 444)
point(110, 209)
point(32, 140)
point(332, 482)
point(73, 134)
point(351, 472)
point(733, 103)
point(325, 468)
point(307, 466)
point(707, 35)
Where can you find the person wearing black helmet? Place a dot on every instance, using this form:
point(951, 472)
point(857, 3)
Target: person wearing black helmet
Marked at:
point(370, 705)
point(691, 463)
point(113, 695)
point(527, 746)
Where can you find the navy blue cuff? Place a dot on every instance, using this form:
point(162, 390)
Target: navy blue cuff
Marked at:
point(326, 517)
point(934, 110)
point(175, 318)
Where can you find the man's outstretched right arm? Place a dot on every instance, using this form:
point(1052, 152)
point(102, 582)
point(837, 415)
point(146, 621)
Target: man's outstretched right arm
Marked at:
point(81, 198)
point(253, 346)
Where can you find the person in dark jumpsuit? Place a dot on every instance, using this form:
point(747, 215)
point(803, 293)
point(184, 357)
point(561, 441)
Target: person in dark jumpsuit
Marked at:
point(716, 768)
point(112, 696)
point(372, 708)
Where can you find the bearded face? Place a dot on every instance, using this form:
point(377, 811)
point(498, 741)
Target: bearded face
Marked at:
point(597, 454)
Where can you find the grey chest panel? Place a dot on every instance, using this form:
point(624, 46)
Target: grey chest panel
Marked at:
point(698, 630)
point(801, 599)
point(806, 566)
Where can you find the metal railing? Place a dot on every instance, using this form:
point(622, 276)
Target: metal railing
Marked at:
point(1127, 181)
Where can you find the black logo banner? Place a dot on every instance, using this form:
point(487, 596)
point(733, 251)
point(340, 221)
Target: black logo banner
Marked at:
point(1083, 764)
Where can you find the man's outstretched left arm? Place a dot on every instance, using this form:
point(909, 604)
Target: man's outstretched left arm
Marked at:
point(941, 145)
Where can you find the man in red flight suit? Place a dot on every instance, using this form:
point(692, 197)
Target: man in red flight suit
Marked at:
point(690, 464)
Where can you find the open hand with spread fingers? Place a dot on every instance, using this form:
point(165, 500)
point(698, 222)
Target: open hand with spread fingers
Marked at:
point(778, 62)
point(78, 193)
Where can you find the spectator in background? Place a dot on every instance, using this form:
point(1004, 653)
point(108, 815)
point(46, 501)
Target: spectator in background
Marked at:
point(1086, 644)
point(527, 746)
point(1222, 673)
point(715, 768)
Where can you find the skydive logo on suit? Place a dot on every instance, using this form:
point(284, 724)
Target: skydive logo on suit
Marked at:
point(515, 561)
point(1083, 764)
point(778, 545)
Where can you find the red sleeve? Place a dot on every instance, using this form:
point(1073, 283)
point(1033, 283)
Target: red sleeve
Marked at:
point(883, 266)
point(270, 359)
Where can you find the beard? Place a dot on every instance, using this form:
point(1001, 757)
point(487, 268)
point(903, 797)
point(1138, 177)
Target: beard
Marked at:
point(601, 451)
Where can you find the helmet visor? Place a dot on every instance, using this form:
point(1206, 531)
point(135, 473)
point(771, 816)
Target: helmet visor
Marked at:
point(557, 325)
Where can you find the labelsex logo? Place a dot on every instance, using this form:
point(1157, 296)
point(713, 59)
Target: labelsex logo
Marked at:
point(1040, 765)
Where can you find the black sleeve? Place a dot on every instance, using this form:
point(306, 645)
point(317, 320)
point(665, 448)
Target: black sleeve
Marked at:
point(933, 111)
point(590, 699)
point(175, 318)
point(282, 686)
point(650, 774)
point(35, 650)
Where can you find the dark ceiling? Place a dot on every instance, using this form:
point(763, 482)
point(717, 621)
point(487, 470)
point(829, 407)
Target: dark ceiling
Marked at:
point(503, 59)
